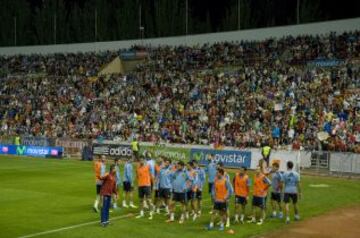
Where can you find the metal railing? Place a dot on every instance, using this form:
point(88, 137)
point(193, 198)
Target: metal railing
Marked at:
point(340, 164)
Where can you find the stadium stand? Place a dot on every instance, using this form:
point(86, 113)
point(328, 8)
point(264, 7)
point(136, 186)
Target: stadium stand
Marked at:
point(232, 93)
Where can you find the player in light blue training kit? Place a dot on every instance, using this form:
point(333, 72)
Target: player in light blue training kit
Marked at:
point(292, 190)
point(221, 193)
point(151, 162)
point(165, 183)
point(191, 190)
point(99, 167)
point(220, 165)
point(127, 183)
point(157, 199)
point(276, 185)
point(211, 170)
point(200, 182)
point(180, 179)
point(118, 181)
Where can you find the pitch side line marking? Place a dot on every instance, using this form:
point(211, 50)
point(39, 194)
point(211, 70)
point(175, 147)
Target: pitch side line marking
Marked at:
point(74, 226)
point(81, 225)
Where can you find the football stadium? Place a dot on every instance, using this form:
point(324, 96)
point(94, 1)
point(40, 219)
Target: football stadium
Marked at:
point(180, 118)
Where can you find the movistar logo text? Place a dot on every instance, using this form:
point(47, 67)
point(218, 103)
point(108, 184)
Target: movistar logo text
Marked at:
point(20, 150)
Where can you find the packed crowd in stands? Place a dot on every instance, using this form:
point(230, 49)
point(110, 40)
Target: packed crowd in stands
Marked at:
point(229, 94)
point(81, 64)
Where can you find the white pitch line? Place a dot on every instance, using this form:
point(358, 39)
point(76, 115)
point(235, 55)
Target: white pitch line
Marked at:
point(81, 225)
point(73, 227)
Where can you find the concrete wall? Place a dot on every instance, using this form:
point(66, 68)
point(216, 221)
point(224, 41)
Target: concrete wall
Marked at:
point(258, 34)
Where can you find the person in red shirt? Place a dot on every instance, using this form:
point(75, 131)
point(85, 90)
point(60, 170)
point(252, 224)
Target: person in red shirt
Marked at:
point(108, 188)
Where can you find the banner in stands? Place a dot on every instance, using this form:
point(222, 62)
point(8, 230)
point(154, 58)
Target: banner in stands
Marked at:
point(230, 158)
point(35, 151)
point(118, 150)
point(325, 62)
point(35, 141)
point(133, 55)
point(175, 153)
point(69, 143)
point(73, 147)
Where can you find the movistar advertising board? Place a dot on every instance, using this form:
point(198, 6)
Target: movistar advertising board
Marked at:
point(230, 158)
point(34, 151)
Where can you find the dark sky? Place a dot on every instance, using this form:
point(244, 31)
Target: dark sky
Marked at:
point(330, 9)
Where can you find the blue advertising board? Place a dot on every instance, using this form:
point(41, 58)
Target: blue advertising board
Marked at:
point(34, 151)
point(230, 158)
point(133, 55)
point(128, 55)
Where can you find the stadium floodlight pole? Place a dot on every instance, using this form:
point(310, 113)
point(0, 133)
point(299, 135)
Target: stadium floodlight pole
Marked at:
point(55, 28)
point(140, 19)
point(141, 28)
point(15, 37)
point(95, 25)
point(139, 16)
point(186, 16)
point(239, 14)
point(298, 12)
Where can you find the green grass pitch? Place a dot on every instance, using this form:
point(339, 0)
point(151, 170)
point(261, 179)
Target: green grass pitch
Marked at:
point(38, 195)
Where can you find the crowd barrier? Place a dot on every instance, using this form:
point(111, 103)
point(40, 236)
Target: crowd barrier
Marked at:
point(345, 163)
